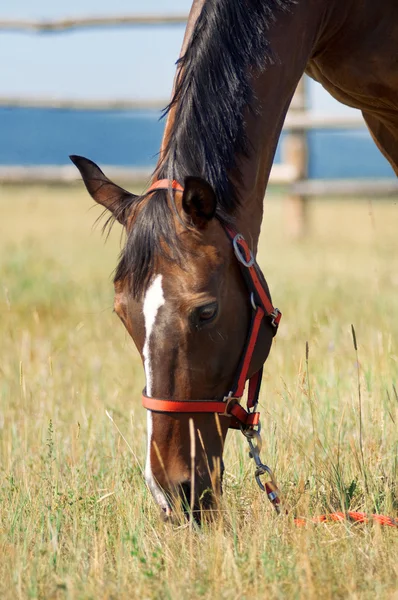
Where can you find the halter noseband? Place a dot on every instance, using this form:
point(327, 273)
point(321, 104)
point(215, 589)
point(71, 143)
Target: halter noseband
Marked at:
point(262, 308)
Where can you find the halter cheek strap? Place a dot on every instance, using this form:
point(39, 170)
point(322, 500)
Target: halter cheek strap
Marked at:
point(262, 310)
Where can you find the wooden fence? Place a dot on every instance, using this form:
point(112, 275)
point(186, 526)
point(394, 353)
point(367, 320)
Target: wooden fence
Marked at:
point(292, 173)
point(89, 22)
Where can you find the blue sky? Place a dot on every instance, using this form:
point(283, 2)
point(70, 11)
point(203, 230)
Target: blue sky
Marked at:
point(123, 63)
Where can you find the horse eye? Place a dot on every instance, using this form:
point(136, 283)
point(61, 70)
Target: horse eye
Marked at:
point(207, 313)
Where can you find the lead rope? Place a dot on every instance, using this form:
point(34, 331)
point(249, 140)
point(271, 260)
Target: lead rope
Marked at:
point(270, 486)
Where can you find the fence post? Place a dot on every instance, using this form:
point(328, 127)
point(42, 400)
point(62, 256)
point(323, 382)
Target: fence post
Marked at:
point(295, 153)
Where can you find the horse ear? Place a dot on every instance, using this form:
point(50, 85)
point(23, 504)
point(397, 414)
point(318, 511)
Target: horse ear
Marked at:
point(199, 201)
point(102, 189)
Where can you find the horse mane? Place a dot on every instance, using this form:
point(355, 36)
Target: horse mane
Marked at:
point(211, 95)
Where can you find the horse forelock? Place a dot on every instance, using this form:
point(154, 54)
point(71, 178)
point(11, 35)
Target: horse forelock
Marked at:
point(152, 234)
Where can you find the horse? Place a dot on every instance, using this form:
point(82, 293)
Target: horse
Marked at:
point(179, 289)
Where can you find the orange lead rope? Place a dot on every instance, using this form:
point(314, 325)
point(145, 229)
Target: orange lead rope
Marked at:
point(355, 517)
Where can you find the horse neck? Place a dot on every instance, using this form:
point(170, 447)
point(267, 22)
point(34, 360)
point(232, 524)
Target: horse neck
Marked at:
point(293, 39)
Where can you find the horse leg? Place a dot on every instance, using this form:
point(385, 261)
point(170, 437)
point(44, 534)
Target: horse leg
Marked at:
point(386, 137)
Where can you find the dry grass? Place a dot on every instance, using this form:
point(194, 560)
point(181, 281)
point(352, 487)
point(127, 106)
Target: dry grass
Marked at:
point(76, 520)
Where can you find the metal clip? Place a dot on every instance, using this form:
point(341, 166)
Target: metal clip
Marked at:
point(274, 315)
point(253, 303)
point(227, 400)
point(238, 253)
point(255, 444)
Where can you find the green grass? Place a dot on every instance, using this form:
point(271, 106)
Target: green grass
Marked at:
point(76, 520)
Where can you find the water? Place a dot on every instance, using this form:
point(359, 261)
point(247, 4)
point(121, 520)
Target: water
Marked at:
point(47, 137)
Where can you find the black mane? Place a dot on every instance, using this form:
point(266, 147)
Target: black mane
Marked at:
point(213, 90)
point(212, 93)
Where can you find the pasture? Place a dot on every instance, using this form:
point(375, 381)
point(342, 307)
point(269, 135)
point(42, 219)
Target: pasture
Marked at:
point(76, 519)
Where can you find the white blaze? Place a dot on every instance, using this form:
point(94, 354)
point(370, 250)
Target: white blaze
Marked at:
point(153, 300)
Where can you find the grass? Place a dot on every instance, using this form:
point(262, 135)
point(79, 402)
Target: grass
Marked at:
point(76, 520)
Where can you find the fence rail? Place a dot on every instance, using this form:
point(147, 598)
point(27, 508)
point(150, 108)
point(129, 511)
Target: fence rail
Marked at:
point(82, 103)
point(88, 22)
point(296, 119)
point(52, 174)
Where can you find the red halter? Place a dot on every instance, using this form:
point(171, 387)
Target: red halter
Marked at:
point(262, 309)
point(164, 184)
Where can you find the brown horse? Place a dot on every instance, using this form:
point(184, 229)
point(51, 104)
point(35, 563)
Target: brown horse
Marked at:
point(179, 288)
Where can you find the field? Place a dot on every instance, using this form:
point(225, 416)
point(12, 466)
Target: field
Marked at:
point(76, 519)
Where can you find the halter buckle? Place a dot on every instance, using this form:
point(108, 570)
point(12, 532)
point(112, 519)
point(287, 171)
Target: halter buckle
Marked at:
point(227, 401)
point(275, 317)
point(238, 253)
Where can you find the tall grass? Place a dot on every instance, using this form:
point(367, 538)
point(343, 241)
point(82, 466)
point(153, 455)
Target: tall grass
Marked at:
point(76, 520)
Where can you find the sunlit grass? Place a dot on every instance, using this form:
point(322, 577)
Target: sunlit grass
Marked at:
point(76, 520)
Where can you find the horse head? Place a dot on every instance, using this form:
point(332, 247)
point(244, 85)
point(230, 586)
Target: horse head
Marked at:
point(180, 294)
